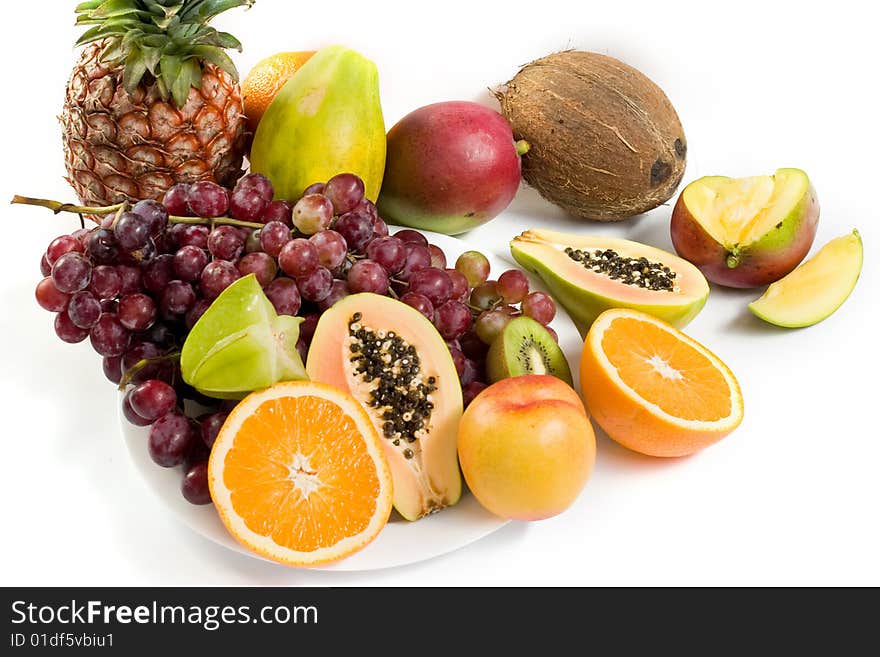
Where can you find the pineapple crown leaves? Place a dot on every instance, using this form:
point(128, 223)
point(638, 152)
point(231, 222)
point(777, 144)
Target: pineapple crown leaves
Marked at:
point(169, 39)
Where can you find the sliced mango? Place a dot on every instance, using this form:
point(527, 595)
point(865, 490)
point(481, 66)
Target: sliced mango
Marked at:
point(817, 288)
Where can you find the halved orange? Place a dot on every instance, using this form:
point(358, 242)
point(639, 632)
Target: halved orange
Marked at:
point(298, 475)
point(655, 390)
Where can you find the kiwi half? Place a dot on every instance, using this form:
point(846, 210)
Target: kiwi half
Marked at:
point(525, 347)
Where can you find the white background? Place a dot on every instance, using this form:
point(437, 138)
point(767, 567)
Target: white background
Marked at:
point(790, 498)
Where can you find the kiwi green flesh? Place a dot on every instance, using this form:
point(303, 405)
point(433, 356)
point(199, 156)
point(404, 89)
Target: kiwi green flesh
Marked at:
point(525, 347)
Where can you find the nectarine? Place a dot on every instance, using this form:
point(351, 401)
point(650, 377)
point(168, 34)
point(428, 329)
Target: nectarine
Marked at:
point(526, 447)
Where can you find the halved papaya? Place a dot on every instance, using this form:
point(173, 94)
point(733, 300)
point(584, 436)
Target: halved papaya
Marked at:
point(590, 274)
point(393, 360)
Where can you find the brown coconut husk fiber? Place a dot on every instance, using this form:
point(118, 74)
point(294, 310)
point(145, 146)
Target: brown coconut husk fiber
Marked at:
point(606, 143)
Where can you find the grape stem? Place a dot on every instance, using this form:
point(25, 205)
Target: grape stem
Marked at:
point(119, 214)
point(214, 221)
point(141, 364)
point(495, 304)
point(58, 207)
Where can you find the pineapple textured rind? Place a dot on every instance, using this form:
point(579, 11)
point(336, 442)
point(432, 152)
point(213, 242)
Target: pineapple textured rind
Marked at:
point(145, 107)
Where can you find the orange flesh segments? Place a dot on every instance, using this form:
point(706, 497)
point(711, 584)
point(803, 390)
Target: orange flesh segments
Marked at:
point(668, 372)
point(298, 475)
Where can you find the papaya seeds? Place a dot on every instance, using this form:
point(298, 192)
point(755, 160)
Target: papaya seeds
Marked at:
point(606, 143)
point(590, 274)
point(394, 362)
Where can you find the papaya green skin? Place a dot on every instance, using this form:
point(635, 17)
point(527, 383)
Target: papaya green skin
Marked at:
point(584, 305)
point(760, 263)
point(450, 167)
point(326, 119)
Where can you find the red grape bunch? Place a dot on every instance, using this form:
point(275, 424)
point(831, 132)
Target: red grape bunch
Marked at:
point(136, 284)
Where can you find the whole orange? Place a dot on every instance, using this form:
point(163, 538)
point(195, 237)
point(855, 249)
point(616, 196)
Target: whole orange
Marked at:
point(265, 79)
point(526, 447)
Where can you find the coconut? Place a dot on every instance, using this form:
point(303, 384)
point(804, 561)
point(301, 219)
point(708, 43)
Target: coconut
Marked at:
point(606, 143)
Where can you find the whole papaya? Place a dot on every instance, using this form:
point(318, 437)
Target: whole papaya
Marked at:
point(326, 119)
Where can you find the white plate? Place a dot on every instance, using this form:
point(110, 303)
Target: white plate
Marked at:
point(400, 542)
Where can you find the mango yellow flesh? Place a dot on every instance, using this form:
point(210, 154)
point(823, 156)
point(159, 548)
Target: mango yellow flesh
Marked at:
point(817, 288)
point(739, 211)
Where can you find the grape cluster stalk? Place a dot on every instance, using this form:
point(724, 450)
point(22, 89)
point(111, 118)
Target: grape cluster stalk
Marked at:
point(136, 283)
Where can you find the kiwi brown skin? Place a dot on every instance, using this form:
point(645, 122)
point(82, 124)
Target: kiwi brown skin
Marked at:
point(606, 142)
point(510, 352)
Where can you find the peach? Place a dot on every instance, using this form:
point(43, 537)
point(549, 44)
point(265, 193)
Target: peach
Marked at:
point(526, 447)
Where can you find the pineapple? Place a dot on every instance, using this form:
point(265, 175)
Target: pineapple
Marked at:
point(154, 100)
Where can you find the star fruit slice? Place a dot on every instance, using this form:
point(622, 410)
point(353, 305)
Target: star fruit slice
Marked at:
point(241, 344)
